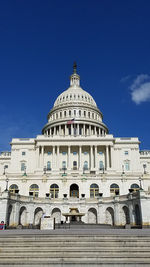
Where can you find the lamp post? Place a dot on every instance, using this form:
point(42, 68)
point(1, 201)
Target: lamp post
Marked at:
point(123, 169)
point(64, 169)
point(144, 167)
point(6, 184)
point(5, 167)
point(103, 170)
point(44, 169)
point(25, 174)
point(140, 180)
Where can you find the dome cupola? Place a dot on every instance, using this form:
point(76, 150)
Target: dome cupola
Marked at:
point(77, 106)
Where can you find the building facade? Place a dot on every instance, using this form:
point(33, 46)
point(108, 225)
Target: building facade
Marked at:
point(75, 162)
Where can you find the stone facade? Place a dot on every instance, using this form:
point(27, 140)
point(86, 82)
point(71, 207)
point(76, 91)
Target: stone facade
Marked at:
point(75, 162)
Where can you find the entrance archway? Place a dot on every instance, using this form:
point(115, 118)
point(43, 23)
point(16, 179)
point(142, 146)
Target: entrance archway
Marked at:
point(74, 190)
point(126, 217)
point(92, 216)
point(56, 213)
point(23, 216)
point(37, 216)
point(110, 216)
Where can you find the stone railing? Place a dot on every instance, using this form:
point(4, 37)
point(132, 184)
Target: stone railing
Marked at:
point(5, 154)
point(145, 152)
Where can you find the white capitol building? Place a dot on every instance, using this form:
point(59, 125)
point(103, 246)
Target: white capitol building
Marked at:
point(75, 163)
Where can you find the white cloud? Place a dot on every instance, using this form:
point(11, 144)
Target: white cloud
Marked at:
point(140, 89)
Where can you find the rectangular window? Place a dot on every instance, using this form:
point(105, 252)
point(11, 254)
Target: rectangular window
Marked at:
point(126, 152)
point(101, 153)
point(23, 153)
point(64, 153)
point(23, 166)
point(74, 153)
point(49, 153)
point(127, 166)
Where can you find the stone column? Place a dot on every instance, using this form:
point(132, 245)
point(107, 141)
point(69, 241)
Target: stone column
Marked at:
point(30, 214)
point(65, 129)
point(91, 157)
point(54, 130)
point(53, 158)
point(69, 158)
point(77, 129)
point(71, 129)
point(96, 161)
point(59, 129)
point(101, 213)
point(89, 129)
point(37, 157)
point(42, 157)
point(57, 157)
point(80, 158)
point(16, 213)
point(84, 129)
point(107, 158)
point(111, 156)
point(116, 211)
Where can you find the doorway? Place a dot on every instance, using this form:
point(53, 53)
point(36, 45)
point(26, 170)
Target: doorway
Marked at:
point(74, 190)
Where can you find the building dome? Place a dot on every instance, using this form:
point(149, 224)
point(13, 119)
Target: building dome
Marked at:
point(78, 106)
point(75, 94)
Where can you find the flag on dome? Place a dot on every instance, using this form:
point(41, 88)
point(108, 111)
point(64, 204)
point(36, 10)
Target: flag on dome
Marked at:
point(71, 121)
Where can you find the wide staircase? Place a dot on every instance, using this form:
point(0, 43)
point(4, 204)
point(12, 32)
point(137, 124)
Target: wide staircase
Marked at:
point(75, 248)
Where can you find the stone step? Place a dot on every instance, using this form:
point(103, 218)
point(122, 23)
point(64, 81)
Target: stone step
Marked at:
point(77, 261)
point(73, 254)
point(76, 249)
point(77, 243)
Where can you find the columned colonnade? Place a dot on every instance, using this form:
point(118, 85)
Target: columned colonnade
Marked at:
point(75, 129)
point(93, 159)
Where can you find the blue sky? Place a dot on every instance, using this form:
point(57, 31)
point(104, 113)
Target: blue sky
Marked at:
point(40, 40)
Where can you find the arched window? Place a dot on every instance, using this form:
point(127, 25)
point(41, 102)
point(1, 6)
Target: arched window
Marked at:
point(94, 190)
point(85, 166)
point(135, 187)
point(79, 112)
point(54, 190)
point(13, 189)
point(101, 165)
point(48, 166)
point(114, 189)
point(69, 112)
point(34, 190)
point(65, 113)
point(74, 165)
point(23, 166)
